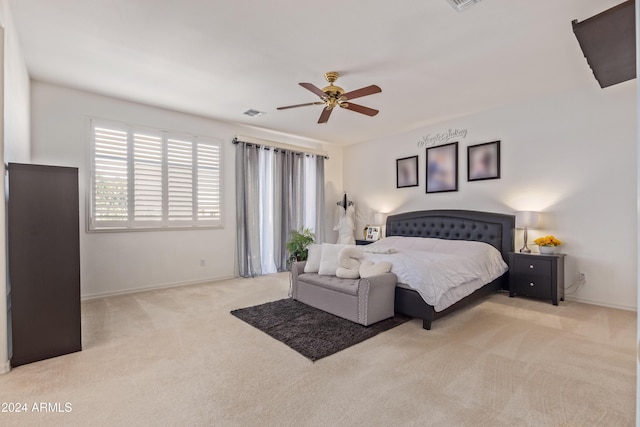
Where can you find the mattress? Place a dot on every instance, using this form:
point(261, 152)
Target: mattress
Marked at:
point(441, 271)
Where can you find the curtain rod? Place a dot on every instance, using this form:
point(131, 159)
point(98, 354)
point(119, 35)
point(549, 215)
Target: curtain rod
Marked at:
point(273, 144)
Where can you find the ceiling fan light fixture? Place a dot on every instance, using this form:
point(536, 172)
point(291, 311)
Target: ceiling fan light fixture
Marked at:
point(334, 96)
point(461, 5)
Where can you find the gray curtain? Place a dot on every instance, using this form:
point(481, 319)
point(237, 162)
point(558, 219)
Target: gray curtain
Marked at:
point(247, 210)
point(289, 201)
point(282, 217)
point(297, 191)
point(320, 217)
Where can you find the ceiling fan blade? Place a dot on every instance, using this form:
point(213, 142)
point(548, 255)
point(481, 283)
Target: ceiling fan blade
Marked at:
point(313, 89)
point(369, 90)
point(300, 105)
point(326, 113)
point(360, 109)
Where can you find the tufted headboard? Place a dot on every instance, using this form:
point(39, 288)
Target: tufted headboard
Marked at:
point(492, 228)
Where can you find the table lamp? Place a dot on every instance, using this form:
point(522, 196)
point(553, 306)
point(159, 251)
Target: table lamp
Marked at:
point(526, 220)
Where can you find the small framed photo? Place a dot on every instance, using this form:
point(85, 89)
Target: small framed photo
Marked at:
point(483, 161)
point(373, 233)
point(407, 172)
point(442, 168)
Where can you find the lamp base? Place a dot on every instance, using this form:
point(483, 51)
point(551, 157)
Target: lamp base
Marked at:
point(525, 249)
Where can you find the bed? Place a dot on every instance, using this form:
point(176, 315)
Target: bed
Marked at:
point(495, 229)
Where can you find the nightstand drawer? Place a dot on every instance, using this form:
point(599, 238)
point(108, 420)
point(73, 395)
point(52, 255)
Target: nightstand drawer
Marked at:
point(532, 286)
point(530, 265)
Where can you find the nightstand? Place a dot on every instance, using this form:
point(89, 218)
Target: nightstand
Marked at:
point(538, 276)
point(363, 242)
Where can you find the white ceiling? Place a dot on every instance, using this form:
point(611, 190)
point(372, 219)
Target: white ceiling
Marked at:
point(218, 58)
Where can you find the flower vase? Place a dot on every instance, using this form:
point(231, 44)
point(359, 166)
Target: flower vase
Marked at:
point(547, 249)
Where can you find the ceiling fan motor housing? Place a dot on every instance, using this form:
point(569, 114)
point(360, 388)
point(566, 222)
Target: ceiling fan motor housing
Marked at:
point(332, 92)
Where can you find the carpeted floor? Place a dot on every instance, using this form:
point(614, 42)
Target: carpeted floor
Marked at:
point(177, 357)
point(313, 333)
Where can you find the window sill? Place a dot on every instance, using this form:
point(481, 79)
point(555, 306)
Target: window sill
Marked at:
point(138, 229)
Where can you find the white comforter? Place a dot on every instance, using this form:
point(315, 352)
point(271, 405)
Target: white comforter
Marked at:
point(441, 271)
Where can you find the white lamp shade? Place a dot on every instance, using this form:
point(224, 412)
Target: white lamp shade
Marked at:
point(527, 219)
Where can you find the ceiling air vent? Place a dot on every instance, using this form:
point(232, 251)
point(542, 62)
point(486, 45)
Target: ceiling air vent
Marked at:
point(253, 113)
point(461, 5)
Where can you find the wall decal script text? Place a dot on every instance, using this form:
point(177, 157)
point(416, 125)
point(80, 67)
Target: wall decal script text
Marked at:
point(441, 138)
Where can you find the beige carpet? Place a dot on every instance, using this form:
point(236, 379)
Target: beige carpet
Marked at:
point(177, 357)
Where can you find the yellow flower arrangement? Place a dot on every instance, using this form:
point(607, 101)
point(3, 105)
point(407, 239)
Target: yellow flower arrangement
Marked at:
point(547, 241)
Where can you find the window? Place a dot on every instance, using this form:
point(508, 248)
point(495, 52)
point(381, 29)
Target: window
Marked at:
point(151, 179)
point(278, 190)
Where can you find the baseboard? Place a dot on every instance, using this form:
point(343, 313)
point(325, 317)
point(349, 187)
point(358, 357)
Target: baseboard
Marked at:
point(602, 304)
point(6, 367)
point(87, 297)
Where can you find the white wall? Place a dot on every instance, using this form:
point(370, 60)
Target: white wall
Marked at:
point(117, 262)
point(14, 143)
point(333, 178)
point(637, 4)
point(16, 94)
point(5, 324)
point(571, 156)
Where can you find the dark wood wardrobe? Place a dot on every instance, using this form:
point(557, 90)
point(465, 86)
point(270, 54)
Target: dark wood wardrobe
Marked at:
point(44, 262)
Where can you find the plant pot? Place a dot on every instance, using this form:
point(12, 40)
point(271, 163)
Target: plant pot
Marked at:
point(547, 249)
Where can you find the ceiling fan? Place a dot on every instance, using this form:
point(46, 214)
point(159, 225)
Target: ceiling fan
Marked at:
point(334, 96)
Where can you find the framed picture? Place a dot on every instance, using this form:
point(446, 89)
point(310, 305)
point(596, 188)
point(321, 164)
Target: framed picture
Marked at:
point(373, 233)
point(407, 172)
point(483, 161)
point(442, 168)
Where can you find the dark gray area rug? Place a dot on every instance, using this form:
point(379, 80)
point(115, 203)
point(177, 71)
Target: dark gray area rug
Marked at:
point(311, 332)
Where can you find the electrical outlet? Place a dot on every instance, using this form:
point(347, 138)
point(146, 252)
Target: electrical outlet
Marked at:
point(203, 262)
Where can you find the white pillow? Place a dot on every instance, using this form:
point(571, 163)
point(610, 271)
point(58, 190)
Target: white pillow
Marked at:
point(313, 258)
point(329, 259)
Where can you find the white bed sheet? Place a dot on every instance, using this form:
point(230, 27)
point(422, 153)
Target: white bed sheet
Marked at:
point(441, 271)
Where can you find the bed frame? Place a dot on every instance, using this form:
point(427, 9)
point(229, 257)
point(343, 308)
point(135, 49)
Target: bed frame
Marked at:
point(492, 228)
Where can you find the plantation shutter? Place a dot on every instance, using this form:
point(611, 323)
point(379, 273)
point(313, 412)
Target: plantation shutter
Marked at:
point(152, 179)
point(180, 180)
point(208, 178)
point(147, 173)
point(110, 189)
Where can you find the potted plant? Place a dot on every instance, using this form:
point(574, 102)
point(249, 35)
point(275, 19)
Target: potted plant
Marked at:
point(298, 243)
point(547, 244)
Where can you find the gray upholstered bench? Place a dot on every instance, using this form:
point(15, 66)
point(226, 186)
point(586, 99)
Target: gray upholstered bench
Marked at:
point(364, 301)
